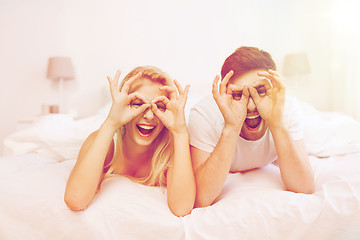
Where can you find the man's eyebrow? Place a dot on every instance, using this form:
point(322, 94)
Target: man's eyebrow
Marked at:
point(235, 88)
point(237, 91)
point(262, 82)
point(261, 85)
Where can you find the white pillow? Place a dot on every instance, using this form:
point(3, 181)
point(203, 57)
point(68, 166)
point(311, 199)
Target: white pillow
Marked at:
point(330, 133)
point(58, 136)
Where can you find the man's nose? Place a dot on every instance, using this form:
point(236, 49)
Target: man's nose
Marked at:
point(148, 114)
point(251, 105)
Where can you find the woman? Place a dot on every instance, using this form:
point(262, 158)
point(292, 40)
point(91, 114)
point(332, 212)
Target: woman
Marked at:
point(151, 142)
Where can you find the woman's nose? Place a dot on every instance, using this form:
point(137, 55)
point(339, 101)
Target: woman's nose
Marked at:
point(148, 114)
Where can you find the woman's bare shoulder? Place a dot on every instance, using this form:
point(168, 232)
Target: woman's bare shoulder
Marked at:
point(89, 141)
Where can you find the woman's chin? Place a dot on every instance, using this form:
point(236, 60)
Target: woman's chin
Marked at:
point(145, 139)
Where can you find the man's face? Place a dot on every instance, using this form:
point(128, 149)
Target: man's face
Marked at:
point(254, 126)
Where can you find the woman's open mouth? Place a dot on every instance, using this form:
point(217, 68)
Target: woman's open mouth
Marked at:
point(253, 122)
point(145, 130)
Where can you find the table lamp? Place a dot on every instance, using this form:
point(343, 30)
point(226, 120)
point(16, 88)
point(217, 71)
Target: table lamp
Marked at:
point(60, 69)
point(296, 64)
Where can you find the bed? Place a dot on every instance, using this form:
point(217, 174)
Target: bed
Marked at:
point(252, 205)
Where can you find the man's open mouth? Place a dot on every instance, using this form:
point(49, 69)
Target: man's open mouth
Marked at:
point(145, 130)
point(253, 121)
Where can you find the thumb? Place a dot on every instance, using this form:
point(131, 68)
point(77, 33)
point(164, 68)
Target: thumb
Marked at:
point(254, 94)
point(245, 95)
point(141, 109)
point(157, 112)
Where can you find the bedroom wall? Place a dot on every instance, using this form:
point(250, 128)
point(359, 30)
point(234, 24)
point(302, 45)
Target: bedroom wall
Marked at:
point(188, 39)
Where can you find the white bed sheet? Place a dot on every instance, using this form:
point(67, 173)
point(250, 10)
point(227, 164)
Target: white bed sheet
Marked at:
point(252, 205)
point(32, 207)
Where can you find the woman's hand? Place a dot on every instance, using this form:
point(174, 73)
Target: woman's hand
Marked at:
point(121, 111)
point(171, 111)
point(233, 110)
point(270, 107)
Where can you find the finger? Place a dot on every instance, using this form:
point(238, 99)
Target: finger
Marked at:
point(170, 90)
point(184, 96)
point(156, 111)
point(113, 88)
point(245, 95)
point(186, 93)
point(278, 77)
point(275, 79)
point(136, 95)
point(225, 81)
point(273, 72)
point(270, 77)
point(178, 86)
point(109, 80)
point(110, 83)
point(116, 78)
point(127, 85)
point(154, 108)
point(162, 99)
point(254, 94)
point(262, 81)
point(234, 87)
point(141, 109)
point(215, 89)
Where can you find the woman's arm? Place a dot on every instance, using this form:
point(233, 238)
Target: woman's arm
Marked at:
point(88, 171)
point(181, 189)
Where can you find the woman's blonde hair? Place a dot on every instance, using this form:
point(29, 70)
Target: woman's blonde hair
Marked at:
point(162, 146)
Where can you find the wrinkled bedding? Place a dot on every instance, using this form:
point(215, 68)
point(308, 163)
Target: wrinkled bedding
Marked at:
point(252, 205)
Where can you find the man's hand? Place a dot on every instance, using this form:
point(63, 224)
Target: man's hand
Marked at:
point(233, 111)
point(271, 106)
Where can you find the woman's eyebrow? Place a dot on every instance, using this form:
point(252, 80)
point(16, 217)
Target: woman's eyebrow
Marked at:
point(137, 100)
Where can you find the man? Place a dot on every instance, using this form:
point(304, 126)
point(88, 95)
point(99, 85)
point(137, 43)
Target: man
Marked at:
point(247, 124)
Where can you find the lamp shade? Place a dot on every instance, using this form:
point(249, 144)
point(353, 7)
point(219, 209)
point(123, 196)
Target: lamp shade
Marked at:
point(60, 67)
point(296, 64)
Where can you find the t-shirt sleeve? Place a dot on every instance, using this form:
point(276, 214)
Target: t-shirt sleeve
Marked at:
point(294, 118)
point(201, 131)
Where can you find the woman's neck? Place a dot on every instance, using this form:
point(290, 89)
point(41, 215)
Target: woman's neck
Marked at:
point(134, 154)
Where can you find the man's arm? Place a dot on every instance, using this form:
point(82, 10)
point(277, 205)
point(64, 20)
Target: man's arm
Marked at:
point(294, 165)
point(211, 169)
point(293, 160)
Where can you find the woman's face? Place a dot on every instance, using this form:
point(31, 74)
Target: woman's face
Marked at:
point(144, 128)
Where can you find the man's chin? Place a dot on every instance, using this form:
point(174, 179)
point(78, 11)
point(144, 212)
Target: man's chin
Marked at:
point(255, 133)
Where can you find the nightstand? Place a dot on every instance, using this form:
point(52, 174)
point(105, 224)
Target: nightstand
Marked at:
point(24, 123)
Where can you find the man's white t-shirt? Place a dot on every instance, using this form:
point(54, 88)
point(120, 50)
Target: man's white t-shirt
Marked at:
point(206, 124)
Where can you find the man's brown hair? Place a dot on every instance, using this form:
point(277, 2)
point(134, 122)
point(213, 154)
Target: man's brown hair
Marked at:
point(245, 59)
